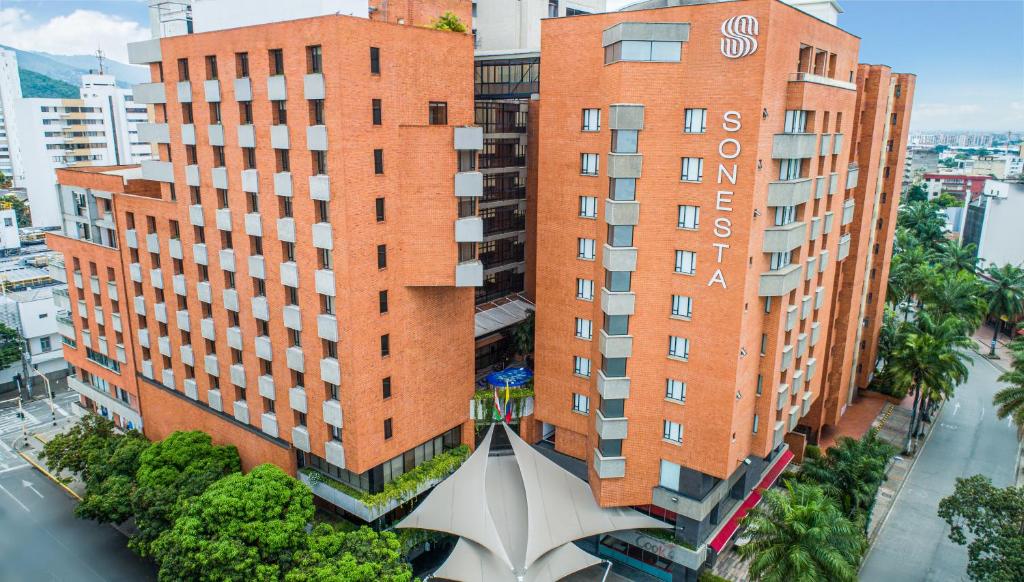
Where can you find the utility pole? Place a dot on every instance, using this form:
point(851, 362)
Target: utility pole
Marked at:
point(49, 392)
point(21, 412)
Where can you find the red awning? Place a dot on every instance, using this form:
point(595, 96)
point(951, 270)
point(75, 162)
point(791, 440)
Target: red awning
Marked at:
point(726, 533)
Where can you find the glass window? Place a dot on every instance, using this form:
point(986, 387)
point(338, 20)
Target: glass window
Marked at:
point(696, 121)
point(789, 169)
point(796, 121)
point(588, 206)
point(587, 249)
point(591, 120)
point(581, 366)
point(584, 328)
point(314, 59)
point(618, 281)
point(675, 390)
point(620, 236)
point(624, 141)
point(673, 431)
point(588, 164)
point(610, 447)
point(784, 215)
point(636, 50)
point(580, 403)
point(686, 262)
point(780, 260)
point(616, 324)
point(693, 169)
point(622, 189)
point(376, 107)
point(756, 422)
point(678, 347)
point(585, 289)
point(374, 60)
point(613, 367)
point(438, 113)
point(689, 216)
point(682, 306)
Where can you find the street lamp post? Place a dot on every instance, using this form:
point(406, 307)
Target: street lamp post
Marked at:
point(49, 392)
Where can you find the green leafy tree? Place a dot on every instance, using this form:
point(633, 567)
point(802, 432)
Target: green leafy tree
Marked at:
point(960, 295)
point(21, 211)
point(955, 255)
point(988, 520)
point(1005, 295)
point(171, 472)
point(916, 194)
point(522, 334)
point(851, 471)
point(450, 21)
point(363, 554)
point(5, 181)
point(11, 346)
point(241, 528)
point(925, 220)
point(800, 534)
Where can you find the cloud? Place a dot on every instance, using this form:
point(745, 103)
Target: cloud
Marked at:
point(996, 115)
point(80, 32)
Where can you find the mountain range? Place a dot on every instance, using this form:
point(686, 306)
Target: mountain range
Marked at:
point(70, 68)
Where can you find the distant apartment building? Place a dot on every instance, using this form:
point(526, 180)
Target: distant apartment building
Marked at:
point(98, 129)
point(313, 162)
point(962, 186)
point(993, 221)
point(10, 93)
point(689, 245)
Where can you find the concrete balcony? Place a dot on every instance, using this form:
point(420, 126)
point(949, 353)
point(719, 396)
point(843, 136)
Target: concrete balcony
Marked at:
point(617, 213)
point(234, 335)
point(211, 365)
point(786, 146)
point(330, 370)
point(231, 300)
point(188, 356)
point(286, 229)
point(188, 137)
point(469, 229)
point(469, 184)
point(268, 422)
point(149, 93)
point(216, 134)
point(290, 274)
point(829, 218)
point(163, 344)
point(295, 359)
point(820, 187)
point(324, 280)
point(469, 138)
point(833, 183)
point(219, 177)
point(144, 337)
point(243, 89)
point(610, 428)
point(826, 144)
point(241, 411)
point(778, 434)
point(625, 165)
point(815, 228)
point(204, 292)
point(791, 317)
point(253, 224)
point(844, 247)
point(215, 401)
point(323, 235)
point(469, 274)
point(158, 171)
point(211, 90)
point(852, 176)
point(297, 399)
point(292, 316)
point(782, 396)
point(779, 239)
point(227, 260)
point(131, 238)
point(279, 137)
point(283, 184)
point(154, 133)
point(257, 267)
point(332, 413)
point(191, 388)
point(144, 52)
point(614, 346)
point(848, 208)
point(618, 258)
point(195, 215)
point(815, 333)
point(223, 216)
point(327, 327)
point(260, 308)
point(335, 453)
point(316, 138)
point(822, 80)
point(174, 248)
point(264, 348)
point(313, 86)
point(266, 387)
point(156, 279)
point(617, 302)
point(609, 467)
point(184, 89)
point(787, 358)
point(167, 377)
point(780, 281)
point(612, 388)
point(789, 192)
point(207, 328)
point(319, 187)
point(810, 270)
point(276, 88)
point(237, 374)
point(246, 136)
point(300, 438)
point(805, 404)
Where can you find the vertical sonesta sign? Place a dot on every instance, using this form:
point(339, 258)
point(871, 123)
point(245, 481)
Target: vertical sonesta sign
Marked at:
point(728, 150)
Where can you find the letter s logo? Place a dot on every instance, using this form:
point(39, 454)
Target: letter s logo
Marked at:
point(739, 36)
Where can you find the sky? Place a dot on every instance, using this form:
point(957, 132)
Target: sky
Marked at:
point(968, 54)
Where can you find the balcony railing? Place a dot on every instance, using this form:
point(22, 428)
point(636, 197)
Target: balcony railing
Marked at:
point(501, 161)
point(503, 192)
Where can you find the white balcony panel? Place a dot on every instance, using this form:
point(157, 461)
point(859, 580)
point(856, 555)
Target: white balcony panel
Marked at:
point(323, 235)
point(227, 259)
point(279, 137)
point(327, 327)
point(297, 399)
point(158, 171)
point(191, 388)
point(204, 292)
point(292, 315)
point(260, 308)
point(140, 305)
point(264, 348)
point(224, 219)
point(211, 90)
point(276, 89)
point(316, 138)
point(469, 184)
point(241, 411)
point(332, 413)
point(609, 467)
point(231, 300)
point(219, 177)
point(207, 328)
point(319, 187)
point(268, 422)
point(215, 401)
point(335, 453)
point(195, 215)
point(257, 267)
point(330, 371)
point(300, 438)
point(237, 373)
point(211, 365)
point(313, 86)
point(469, 229)
point(246, 136)
point(283, 184)
point(469, 138)
point(325, 282)
point(250, 180)
point(154, 132)
point(286, 229)
point(266, 387)
point(216, 134)
point(149, 93)
point(469, 274)
point(234, 335)
point(243, 89)
point(184, 89)
point(253, 224)
point(188, 356)
point(144, 52)
point(295, 359)
point(188, 137)
point(174, 249)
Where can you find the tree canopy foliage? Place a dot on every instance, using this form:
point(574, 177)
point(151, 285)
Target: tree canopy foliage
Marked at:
point(450, 21)
point(11, 346)
point(363, 554)
point(988, 520)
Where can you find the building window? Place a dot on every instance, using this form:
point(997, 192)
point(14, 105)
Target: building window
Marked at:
point(588, 164)
point(796, 121)
point(183, 69)
point(669, 476)
point(620, 236)
point(679, 347)
point(584, 328)
point(616, 324)
point(625, 141)
point(689, 216)
point(316, 111)
point(211, 67)
point(585, 289)
point(387, 428)
point(580, 403)
point(382, 301)
point(756, 423)
point(379, 208)
point(314, 59)
point(587, 249)
point(241, 65)
point(591, 120)
point(693, 170)
point(622, 189)
point(44, 344)
point(279, 112)
point(789, 169)
point(377, 116)
point(374, 60)
point(378, 161)
point(382, 256)
point(682, 306)
point(696, 121)
point(675, 390)
point(618, 281)
point(673, 431)
point(385, 345)
point(686, 262)
point(643, 50)
point(385, 386)
point(438, 113)
point(784, 215)
point(588, 207)
point(581, 366)
point(276, 61)
point(781, 260)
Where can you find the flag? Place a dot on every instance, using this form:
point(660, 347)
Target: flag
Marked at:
point(496, 412)
point(508, 404)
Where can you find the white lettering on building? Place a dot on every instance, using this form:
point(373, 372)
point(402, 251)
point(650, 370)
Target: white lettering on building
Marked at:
point(728, 149)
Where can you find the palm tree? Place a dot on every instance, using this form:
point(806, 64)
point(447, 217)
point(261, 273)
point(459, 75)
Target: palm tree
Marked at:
point(925, 220)
point(930, 362)
point(799, 534)
point(522, 336)
point(959, 294)
point(1010, 400)
point(1005, 295)
point(954, 255)
point(909, 274)
point(851, 471)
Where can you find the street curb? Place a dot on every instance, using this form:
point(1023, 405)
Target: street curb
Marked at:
point(895, 497)
point(50, 476)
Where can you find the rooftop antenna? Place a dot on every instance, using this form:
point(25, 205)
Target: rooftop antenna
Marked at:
point(99, 57)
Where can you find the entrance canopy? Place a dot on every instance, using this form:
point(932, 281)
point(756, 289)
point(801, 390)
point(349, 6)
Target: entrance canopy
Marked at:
point(517, 514)
point(512, 377)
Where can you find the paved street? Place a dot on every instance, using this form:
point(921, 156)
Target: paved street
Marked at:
point(37, 416)
point(968, 440)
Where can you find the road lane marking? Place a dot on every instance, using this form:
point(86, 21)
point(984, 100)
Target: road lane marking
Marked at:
point(28, 485)
point(30, 417)
point(956, 408)
point(16, 500)
point(63, 412)
point(15, 468)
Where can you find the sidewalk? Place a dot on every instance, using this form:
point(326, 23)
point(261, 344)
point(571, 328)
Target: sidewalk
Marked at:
point(865, 412)
point(983, 338)
point(72, 484)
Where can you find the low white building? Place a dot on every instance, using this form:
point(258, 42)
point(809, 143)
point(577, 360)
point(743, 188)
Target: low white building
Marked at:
point(504, 25)
point(31, 309)
point(993, 222)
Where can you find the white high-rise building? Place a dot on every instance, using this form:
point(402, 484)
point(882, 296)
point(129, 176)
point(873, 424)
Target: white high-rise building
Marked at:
point(501, 25)
point(101, 128)
point(10, 92)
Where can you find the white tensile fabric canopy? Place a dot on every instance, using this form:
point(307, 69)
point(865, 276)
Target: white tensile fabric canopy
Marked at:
point(517, 515)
